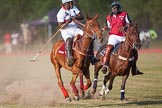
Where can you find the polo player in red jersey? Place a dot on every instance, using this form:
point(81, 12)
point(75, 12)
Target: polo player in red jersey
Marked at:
point(115, 22)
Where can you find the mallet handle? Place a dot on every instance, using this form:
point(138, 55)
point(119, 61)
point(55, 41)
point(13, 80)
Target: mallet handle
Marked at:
point(44, 46)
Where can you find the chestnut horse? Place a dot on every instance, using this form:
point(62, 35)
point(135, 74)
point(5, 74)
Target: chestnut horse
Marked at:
point(81, 55)
point(121, 61)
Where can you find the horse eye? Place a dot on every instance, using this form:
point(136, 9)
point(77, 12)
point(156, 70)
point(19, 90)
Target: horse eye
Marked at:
point(91, 24)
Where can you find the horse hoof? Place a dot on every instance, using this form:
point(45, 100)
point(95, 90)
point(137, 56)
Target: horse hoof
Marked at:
point(93, 91)
point(124, 100)
point(82, 95)
point(76, 98)
point(88, 96)
point(100, 94)
point(68, 99)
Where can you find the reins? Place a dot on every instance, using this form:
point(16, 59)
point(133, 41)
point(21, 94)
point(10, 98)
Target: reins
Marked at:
point(91, 37)
point(130, 43)
point(82, 26)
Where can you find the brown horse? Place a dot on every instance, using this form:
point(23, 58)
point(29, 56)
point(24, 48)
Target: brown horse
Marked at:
point(121, 61)
point(81, 55)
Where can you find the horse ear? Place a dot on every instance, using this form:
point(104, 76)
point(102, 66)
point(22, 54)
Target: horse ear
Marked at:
point(88, 17)
point(96, 17)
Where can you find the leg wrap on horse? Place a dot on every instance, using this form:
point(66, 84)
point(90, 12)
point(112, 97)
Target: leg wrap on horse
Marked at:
point(122, 93)
point(75, 90)
point(95, 84)
point(135, 70)
point(106, 58)
point(64, 92)
point(81, 82)
point(70, 59)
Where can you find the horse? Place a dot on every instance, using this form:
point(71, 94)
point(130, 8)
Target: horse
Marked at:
point(121, 61)
point(92, 31)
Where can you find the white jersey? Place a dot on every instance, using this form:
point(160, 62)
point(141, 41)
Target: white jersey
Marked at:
point(71, 29)
point(64, 15)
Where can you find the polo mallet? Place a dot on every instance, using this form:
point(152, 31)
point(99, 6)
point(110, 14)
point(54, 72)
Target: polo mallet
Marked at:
point(44, 46)
point(79, 23)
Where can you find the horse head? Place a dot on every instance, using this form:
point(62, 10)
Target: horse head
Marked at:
point(93, 29)
point(132, 36)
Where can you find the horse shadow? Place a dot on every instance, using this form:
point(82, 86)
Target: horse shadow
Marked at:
point(153, 101)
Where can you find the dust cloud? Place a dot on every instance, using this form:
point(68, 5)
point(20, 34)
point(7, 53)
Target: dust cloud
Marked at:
point(23, 82)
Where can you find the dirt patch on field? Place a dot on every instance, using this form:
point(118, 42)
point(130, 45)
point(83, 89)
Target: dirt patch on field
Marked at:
point(23, 82)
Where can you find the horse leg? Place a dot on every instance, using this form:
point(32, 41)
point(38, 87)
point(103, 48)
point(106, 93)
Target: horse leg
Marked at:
point(122, 91)
point(75, 90)
point(88, 83)
point(104, 88)
point(96, 70)
point(60, 82)
point(81, 86)
point(110, 86)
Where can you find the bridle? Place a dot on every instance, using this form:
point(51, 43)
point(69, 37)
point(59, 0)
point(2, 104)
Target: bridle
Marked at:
point(132, 44)
point(94, 32)
point(82, 26)
point(92, 36)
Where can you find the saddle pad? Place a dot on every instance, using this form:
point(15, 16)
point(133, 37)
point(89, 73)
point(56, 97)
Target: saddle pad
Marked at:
point(61, 50)
point(113, 51)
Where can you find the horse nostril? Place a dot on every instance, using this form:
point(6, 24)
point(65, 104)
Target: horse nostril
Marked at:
point(137, 45)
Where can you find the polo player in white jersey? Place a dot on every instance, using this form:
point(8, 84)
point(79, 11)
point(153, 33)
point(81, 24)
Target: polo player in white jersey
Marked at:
point(64, 16)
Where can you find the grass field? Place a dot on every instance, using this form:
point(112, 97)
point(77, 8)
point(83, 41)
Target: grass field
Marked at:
point(143, 91)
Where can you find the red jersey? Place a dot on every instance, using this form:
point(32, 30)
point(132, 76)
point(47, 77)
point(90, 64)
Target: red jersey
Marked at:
point(116, 22)
point(7, 38)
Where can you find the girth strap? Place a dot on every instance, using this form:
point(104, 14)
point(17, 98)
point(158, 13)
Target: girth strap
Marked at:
point(125, 59)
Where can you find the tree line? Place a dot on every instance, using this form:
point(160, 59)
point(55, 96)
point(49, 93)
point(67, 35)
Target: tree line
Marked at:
point(147, 13)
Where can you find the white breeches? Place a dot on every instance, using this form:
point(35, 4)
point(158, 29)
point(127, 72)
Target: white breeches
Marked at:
point(115, 39)
point(70, 33)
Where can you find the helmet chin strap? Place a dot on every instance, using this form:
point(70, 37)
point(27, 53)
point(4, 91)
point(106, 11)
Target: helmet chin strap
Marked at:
point(115, 13)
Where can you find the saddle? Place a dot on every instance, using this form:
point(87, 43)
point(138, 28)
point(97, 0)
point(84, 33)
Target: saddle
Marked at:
point(61, 49)
point(103, 49)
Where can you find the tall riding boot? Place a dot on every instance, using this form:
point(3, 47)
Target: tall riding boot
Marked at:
point(93, 58)
point(106, 58)
point(135, 70)
point(70, 59)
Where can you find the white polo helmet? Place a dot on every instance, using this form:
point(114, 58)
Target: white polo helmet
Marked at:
point(64, 1)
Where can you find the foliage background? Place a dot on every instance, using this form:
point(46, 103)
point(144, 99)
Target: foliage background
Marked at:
point(13, 12)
